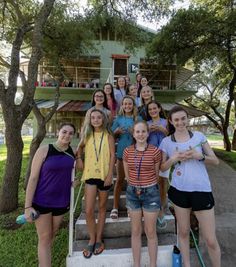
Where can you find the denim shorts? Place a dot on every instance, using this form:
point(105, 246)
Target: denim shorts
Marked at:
point(148, 199)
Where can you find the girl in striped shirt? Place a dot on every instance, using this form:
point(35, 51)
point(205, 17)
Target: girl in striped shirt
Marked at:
point(141, 165)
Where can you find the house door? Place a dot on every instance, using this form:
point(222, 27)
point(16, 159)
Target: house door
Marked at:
point(120, 66)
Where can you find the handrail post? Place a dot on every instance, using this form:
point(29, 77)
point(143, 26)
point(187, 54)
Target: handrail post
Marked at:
point(71, 220)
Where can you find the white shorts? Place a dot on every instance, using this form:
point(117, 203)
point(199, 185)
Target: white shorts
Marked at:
point(165, 174)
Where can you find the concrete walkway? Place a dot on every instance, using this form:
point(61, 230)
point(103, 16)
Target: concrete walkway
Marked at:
point(223, 179)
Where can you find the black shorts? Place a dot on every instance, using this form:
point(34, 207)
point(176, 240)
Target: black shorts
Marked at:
point(54, 211)
point(99, 183)
point(195, 200)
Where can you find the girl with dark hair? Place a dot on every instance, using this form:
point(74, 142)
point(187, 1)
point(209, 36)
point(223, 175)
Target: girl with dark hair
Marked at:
point(111, 102)
point(99, 101)
point(138, 82)
point(119, 91)
point(157, 124)
point(98, 145)
point(190, 190)
point(146, 95)
point(48, 190)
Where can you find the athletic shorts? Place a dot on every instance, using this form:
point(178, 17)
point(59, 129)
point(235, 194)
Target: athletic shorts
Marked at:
point(195, 200)
point(147, 198)
point(99, 183)
point(54, 211)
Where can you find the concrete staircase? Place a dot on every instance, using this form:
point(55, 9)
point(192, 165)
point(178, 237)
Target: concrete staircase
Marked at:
point(117, 237)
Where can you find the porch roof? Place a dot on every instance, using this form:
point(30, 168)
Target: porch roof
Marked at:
point(75, 105)
point(192, 112)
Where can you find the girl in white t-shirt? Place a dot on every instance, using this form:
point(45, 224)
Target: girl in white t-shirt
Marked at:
point(190, 188)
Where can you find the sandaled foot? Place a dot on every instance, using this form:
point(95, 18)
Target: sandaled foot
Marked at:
point(114, 214)
point(98, 248)
point(88, 251)
point(161, 222)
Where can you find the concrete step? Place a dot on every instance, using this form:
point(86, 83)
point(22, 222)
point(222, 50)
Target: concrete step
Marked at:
point(116, 228)
point(122, 203)
point(120, 257)
point(125, 242)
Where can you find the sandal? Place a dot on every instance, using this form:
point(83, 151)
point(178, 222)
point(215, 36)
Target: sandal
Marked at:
point(161, 222)
point(114, 214)
point(98, 248)
point(88, 251)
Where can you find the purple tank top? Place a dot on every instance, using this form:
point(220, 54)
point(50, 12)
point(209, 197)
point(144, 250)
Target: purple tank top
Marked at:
point(54, 184)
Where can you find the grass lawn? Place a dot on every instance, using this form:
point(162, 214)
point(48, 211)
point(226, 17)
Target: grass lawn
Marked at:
point(18, 244)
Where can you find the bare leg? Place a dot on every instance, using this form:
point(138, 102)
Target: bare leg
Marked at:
point(136, 231)
point(44, 230)
point(183, 222)
point(150, 219)
point(163, 191)
point(206, 220)
point(56, 222)
point(119, 183)
point(103, 195)
point(90, 200)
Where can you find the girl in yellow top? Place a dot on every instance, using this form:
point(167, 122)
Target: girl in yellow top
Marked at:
point(99, 147)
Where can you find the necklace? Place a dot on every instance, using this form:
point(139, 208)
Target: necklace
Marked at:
point(138, 167)
point(59, 148)
point(97, 153)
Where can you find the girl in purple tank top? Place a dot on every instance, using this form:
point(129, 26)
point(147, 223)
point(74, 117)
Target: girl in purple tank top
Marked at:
point(48, 190)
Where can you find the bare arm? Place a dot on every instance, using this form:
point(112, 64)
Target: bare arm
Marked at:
point(126, 170)
point(37, 162)
point(79, 162)
point(108, 179)
point(210, 156)
point(157, 168)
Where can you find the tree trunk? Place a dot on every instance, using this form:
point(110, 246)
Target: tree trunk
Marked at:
point(227, 143)
point(37, 140)
point(234, 140)
point(9, 189)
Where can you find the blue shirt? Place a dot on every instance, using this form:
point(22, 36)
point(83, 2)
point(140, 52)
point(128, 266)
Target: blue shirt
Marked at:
point(155, 137)
point(125, 139)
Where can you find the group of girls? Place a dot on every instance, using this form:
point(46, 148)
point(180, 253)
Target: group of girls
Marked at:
point(139, 130)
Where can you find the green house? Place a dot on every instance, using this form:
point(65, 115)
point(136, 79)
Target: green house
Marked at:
point(107, 60)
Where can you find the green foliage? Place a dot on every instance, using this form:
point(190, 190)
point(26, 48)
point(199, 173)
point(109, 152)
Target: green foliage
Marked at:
point(198, 33)
point(228, 157)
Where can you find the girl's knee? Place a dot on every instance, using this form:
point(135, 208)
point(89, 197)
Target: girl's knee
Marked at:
point(89, 213)
point(183, 233)
point(45, 239)
point(150, 233)
point(212, 243)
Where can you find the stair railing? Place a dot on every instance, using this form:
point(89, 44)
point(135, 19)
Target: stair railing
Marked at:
point(73, 205)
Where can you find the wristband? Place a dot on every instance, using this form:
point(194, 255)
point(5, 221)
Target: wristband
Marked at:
point(28, 207)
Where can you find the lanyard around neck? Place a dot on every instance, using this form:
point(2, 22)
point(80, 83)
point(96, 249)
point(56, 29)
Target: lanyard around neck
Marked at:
point(138, 164)
point(97, 153)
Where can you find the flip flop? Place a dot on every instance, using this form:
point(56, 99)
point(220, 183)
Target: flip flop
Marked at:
point(161, 222)
point(98, 248)
point(88, 251)
point(114, 214)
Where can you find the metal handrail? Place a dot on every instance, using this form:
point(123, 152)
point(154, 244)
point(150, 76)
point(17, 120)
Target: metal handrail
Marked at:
point(73, 205)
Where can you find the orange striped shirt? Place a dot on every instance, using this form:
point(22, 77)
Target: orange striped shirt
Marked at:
point(150, 157)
